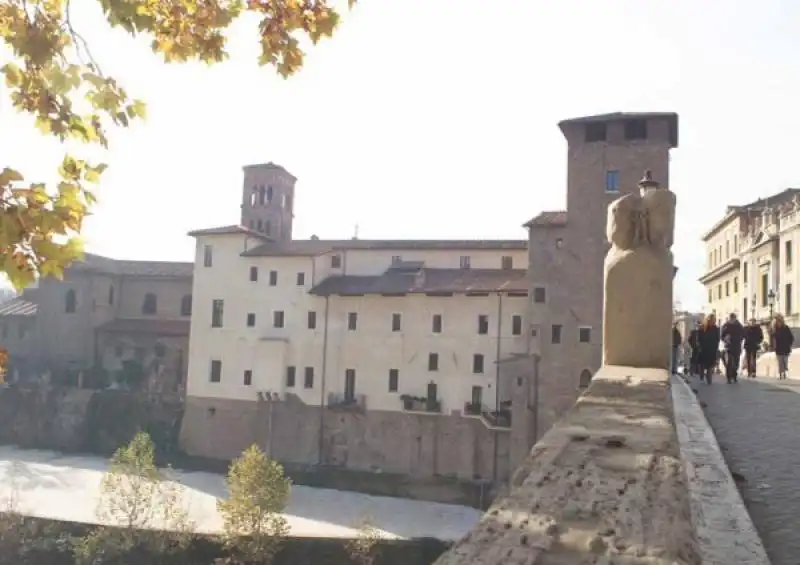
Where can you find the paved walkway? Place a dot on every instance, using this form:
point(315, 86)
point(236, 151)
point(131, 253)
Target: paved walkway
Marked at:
point(757, 424)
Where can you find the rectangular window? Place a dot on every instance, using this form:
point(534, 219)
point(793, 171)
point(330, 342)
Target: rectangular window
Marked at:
point(788, 253)
point(433, 361)
point(291, 373)
point(308, 378)
point(507, 262)
point(710, 296)
point(436, 324)
point(584, 335)
point(595, 132)
point(349, 385)
point(612, 181)
point(727, 288)
point(477, 363)
point(396, 259)
point(301, 279)
point(208, 256)
point(217, 313)
point(635, 129)
point(516, 324)
point(273, 278)
point(539, 295)
point(248, 377)
point(744, 307)
point(216, 371)
point(787, 305)
point(764, 289)
point(312, 320)
point(464, 261)
point(394, 379)
point(396, 322)
point(253, 274)
point(483, 324)
point(336, 261)
point(278, 318)
point(251, 320)
point(744, 273)
point(555, 333)
point(352, 321)
point(735, 285)
point(727, 250)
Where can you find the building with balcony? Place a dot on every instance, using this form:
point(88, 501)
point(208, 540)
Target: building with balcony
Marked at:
point(750, 254)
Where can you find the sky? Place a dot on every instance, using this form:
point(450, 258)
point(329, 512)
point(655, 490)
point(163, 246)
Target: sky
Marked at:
point(437, 119)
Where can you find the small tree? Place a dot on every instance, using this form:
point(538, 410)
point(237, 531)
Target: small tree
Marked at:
point(363, 549)
point(257, 494)
point(140, 505)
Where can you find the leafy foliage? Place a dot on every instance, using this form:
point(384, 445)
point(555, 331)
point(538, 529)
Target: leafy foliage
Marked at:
point(52, 76)
point(140, 504)
point(257, 494)
point(364, 548)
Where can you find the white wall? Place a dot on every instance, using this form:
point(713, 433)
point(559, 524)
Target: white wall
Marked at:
point(372, 349)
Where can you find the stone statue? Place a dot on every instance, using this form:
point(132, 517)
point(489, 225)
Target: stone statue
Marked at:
point(637, 302)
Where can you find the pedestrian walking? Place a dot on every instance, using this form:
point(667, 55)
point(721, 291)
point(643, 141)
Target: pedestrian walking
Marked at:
point(782, 340)
point(753, 337)
point(709, 340)
point(732, 336)
point(677, 340)
point(694, 346)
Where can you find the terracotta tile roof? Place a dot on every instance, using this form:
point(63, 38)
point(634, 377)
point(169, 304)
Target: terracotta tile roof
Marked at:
point(98, 263)
point(556, 218)
point(18, 307)
point(321, 246)
point(152, 326)
point(457, 281)
point(228, 230)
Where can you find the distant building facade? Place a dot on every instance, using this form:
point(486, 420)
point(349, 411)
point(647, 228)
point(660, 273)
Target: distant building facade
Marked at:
point(751, 261)
point(118, 316)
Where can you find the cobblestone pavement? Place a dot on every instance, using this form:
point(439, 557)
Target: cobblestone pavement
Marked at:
point(757, 424)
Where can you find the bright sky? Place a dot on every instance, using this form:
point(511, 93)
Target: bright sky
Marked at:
point(437, 119)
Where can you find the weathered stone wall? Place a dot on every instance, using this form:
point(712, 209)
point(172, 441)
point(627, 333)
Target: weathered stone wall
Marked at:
point(70, 419)
point(419, 445)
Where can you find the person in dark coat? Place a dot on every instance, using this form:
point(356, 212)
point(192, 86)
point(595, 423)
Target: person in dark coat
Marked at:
point(677, 340)
point(708, 339)
point(694, 346)
point(732, 335)
point(782, 340)
point(753, 338)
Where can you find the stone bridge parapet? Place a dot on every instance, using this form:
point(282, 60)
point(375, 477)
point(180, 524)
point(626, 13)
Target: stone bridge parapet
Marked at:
point(631, 475)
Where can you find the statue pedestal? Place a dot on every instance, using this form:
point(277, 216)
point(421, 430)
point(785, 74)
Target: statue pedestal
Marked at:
point(637, 307)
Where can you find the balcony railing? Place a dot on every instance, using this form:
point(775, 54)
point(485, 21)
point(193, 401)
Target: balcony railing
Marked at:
point(341, 401)
point(495, 418)
point(421, 404)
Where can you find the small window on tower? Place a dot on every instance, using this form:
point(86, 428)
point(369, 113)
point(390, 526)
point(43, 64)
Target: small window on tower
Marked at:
point(635, 129)
point(270, 193)
point(595, 132)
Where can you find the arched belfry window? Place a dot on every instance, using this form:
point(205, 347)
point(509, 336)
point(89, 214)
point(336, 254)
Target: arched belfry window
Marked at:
point(70, 301)
point(262, 195)
point(253, 197)
point(150, 304)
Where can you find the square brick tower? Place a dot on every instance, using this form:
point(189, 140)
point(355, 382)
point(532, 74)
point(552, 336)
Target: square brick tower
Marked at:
point(607, 155)
point(268, 200)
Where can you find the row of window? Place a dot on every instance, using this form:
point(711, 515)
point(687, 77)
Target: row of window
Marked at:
point(262, 195)
point(396, 323)
point(149, 304)
point(633, 129)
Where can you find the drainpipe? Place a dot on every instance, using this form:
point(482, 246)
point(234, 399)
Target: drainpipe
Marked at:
point(322, 383)
point(536, 359)
point(497, 380)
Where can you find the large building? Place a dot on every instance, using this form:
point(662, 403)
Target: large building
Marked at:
point(407, 355)
point(750, 259)
point(128, 319)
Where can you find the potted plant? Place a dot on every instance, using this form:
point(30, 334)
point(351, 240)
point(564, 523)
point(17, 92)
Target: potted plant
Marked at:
point(408, 401)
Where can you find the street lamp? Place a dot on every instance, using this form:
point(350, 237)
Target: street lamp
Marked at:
point(771, 302)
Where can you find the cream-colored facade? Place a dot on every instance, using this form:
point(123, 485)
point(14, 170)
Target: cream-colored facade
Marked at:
point(277, 335)
point(751, 259)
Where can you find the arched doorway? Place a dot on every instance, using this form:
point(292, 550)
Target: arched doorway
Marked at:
point(585, 378)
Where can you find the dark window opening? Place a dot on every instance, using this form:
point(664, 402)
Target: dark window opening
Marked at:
point(253, 274)
point(312, 320)
point(208, 256)
point(477, 363)
point(111, 295)
point(273, 278)
point(437, 323)
point(396, 322)
point(635, 129)
point(150, 304)
point(251, 320)
point(248, 377)
point(394, 380)
point(483, 324)
point(433, 361)
point(186, 305)
point(516, 324)
point(301, 279)
point(555, 333)
point(507, 263)
point(539, 295)
point(308, 378)
point(595, 132)
point(217, 313)
point(336, 261)
point(585, 335)
point(352, 321)
point(70, 302)
point(278, 318)
point(216, 371)
point(291, 372)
